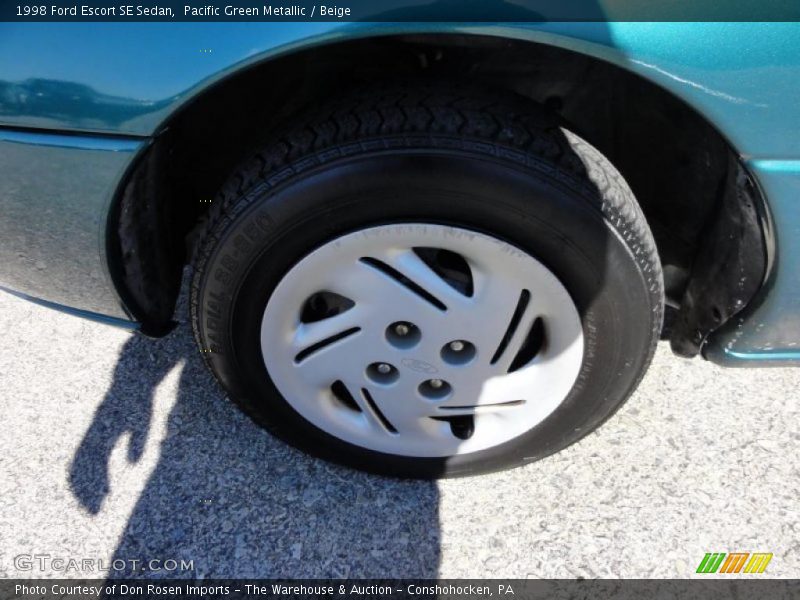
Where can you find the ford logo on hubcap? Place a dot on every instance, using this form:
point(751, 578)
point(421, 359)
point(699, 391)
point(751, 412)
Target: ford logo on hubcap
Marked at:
point(420, 366)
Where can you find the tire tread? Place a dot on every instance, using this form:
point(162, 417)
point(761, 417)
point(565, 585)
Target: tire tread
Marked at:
point(501, 125)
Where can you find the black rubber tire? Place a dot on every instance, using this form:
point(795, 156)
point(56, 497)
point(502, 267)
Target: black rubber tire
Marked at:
point(491, 162)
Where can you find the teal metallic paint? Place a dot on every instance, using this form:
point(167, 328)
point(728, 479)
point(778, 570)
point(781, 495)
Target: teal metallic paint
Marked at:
point(75, 142)
point(55, 193)
point(774, 358)
point(741, 76)
point(75, 312)
point(128, 79)
point(768, 332)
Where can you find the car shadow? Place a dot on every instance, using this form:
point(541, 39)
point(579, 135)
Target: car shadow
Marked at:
point(236, 501)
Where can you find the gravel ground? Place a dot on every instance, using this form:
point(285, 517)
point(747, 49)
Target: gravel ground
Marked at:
point(119, 448)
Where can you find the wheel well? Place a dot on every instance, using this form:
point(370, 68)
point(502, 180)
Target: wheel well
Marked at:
point(679, 167)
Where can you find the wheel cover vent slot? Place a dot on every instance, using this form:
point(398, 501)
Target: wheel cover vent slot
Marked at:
point(304, 354)
point(450, 266)
point(323, 305)
point(396, 275)
point(522, 304)
point(478, 408)
point(377, 411)
point(343, 395)
point(462, 426)
point(534, 343)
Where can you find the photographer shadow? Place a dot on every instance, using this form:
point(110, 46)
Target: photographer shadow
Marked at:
point(235, 501)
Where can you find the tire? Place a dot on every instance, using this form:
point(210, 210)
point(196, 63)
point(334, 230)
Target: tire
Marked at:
point(402, 162)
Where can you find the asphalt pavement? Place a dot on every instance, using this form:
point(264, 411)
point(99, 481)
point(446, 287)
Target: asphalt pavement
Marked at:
point(122, 452)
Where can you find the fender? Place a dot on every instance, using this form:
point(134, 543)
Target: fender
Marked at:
point(741, 77)
point(726, 71)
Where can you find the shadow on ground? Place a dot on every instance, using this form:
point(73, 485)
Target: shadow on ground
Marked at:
point(235, 500)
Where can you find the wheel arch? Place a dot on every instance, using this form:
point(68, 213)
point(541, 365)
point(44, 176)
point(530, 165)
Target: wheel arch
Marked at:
point(691, 187)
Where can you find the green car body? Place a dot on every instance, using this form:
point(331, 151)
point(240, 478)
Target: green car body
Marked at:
point(82, 109)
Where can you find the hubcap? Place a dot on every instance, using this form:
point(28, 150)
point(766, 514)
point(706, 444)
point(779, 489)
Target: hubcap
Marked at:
point(422, 340)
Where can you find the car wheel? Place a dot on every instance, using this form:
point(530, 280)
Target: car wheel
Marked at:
point(425, 282)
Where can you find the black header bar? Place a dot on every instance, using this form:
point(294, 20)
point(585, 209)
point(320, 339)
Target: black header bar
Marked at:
point(533, 11)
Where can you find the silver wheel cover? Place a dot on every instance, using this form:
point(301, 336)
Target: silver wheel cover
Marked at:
point(403, 396)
